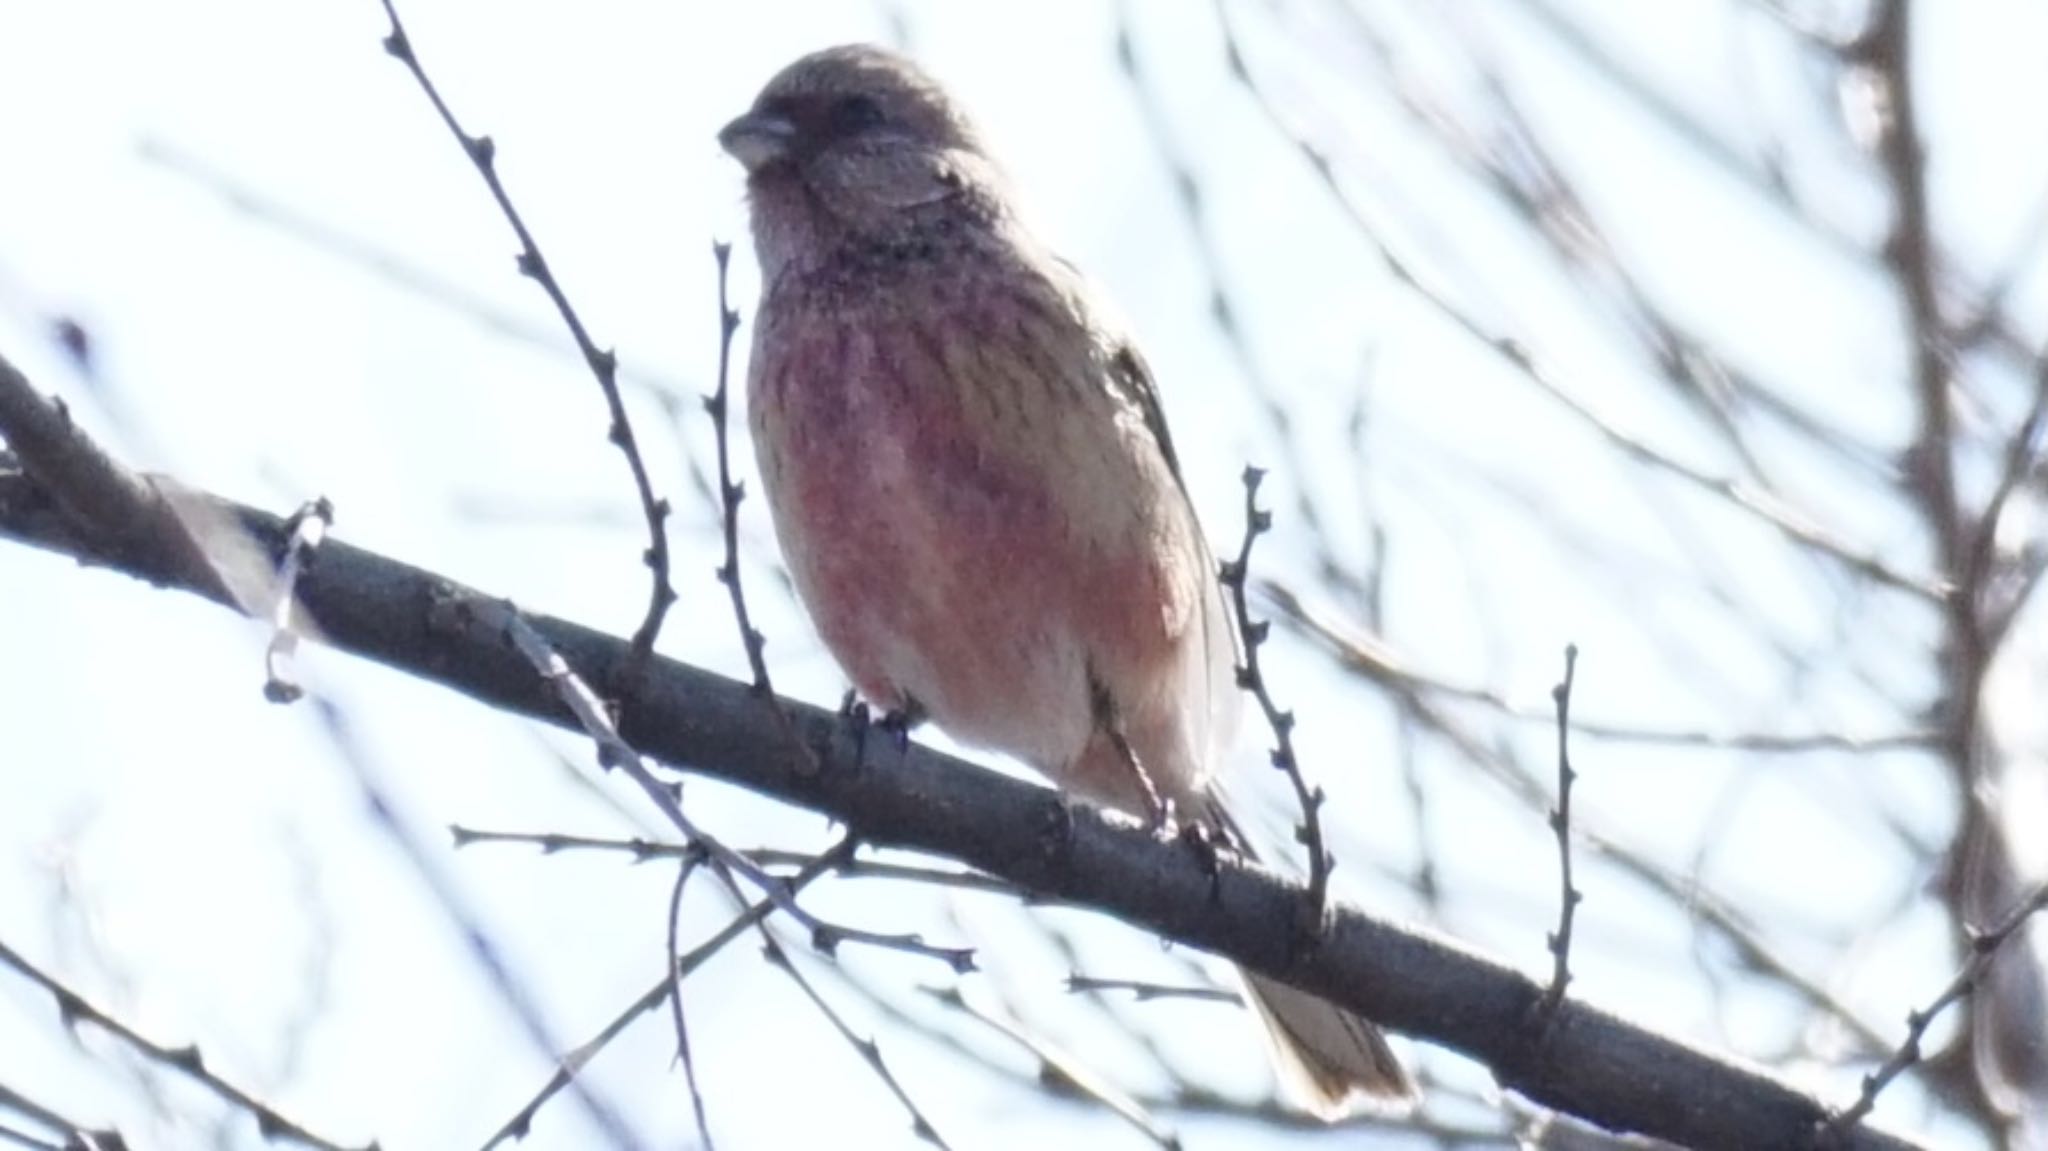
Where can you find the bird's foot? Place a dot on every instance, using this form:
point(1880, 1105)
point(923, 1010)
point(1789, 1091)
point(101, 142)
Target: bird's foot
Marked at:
point(898, 722)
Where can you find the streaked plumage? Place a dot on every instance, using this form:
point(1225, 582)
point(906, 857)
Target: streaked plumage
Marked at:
point(972, 480)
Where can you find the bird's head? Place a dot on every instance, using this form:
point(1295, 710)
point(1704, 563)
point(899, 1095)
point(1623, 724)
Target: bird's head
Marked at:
point(850, 140)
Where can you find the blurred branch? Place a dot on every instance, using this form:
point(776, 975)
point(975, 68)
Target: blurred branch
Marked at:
point(1985, 947)
point(2022, 457)
point(490, 959)
point(1591, 1063)
point(844, 865)
point(2002, 1030)
point(1524, 358)
point(1367, 657)
point(1062, 1071)
point(867, 1048)
point(671, 948)
point(393, 268)
point(572, 1062)
point(77, 1137)
point(74, 1008)
point(1752, 949)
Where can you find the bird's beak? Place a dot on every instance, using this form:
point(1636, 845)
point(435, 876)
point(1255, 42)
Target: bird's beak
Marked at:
point(758, 138)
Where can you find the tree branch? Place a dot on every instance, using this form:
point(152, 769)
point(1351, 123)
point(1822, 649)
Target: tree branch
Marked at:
point(1587, 1062)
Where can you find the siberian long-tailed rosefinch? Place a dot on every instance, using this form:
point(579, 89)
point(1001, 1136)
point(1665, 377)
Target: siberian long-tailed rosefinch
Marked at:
point(971, 478)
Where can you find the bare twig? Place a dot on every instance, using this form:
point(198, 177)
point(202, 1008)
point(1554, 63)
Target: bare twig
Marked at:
point(866, 1047)
point(840, 855)
point(77, 1137)
point(1569, 897)
point(615, 753)
point(73, 1008)
point(2022, 455)
point(388, 265)
point(846, 868)
point(1379, 663)
point(603, 363)
point(12, 1137)
point(1224, 310)
point(691, 862)
point(1524, 358)
point(382, 809)
point(1984, 949)
point(1235, 576)
point(1752, 948)
point(730, 492)
point(1060, 1069)
point(677, 968)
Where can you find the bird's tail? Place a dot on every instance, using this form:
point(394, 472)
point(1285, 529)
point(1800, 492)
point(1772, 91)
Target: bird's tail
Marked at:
point(1327, 1058)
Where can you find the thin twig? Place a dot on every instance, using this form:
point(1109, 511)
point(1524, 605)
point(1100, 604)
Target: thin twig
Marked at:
point(1235, 575)
point(615, 753)
point(77, 1137)
point(1560, 941)
point(73, 1007)
point(642, 850)
point(2022, 455)
point(390, 265)
point(731, 492)
point(842, 853)
point(13, 1138)
point(1976, 877)
point(869, 1051)
point(427, 864)
point(1379, 663)
point(1216, 285)
point(1145, 992)
point(573, 1062)
point(1752, 949)
point(1059, 1069)
point(1984, 948)
point(691, 862)
point(1523, 357)
point(603, 363)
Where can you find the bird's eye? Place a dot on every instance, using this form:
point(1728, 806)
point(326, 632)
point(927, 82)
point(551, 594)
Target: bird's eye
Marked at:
point(855, 113)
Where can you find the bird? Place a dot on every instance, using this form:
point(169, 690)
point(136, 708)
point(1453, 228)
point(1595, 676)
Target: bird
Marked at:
point(973, 485)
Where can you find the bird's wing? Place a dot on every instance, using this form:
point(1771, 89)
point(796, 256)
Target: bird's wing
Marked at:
point(1221, 645)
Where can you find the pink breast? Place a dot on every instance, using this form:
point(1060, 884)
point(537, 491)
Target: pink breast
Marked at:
point(930, 564)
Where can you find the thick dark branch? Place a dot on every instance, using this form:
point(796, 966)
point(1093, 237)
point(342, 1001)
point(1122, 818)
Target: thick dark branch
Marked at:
point(89, 496)
point(1590, 1063)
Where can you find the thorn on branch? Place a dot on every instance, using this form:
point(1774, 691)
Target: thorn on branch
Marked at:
point(75, 1010)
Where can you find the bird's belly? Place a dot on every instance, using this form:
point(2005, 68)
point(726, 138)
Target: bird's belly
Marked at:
point(936, 569)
